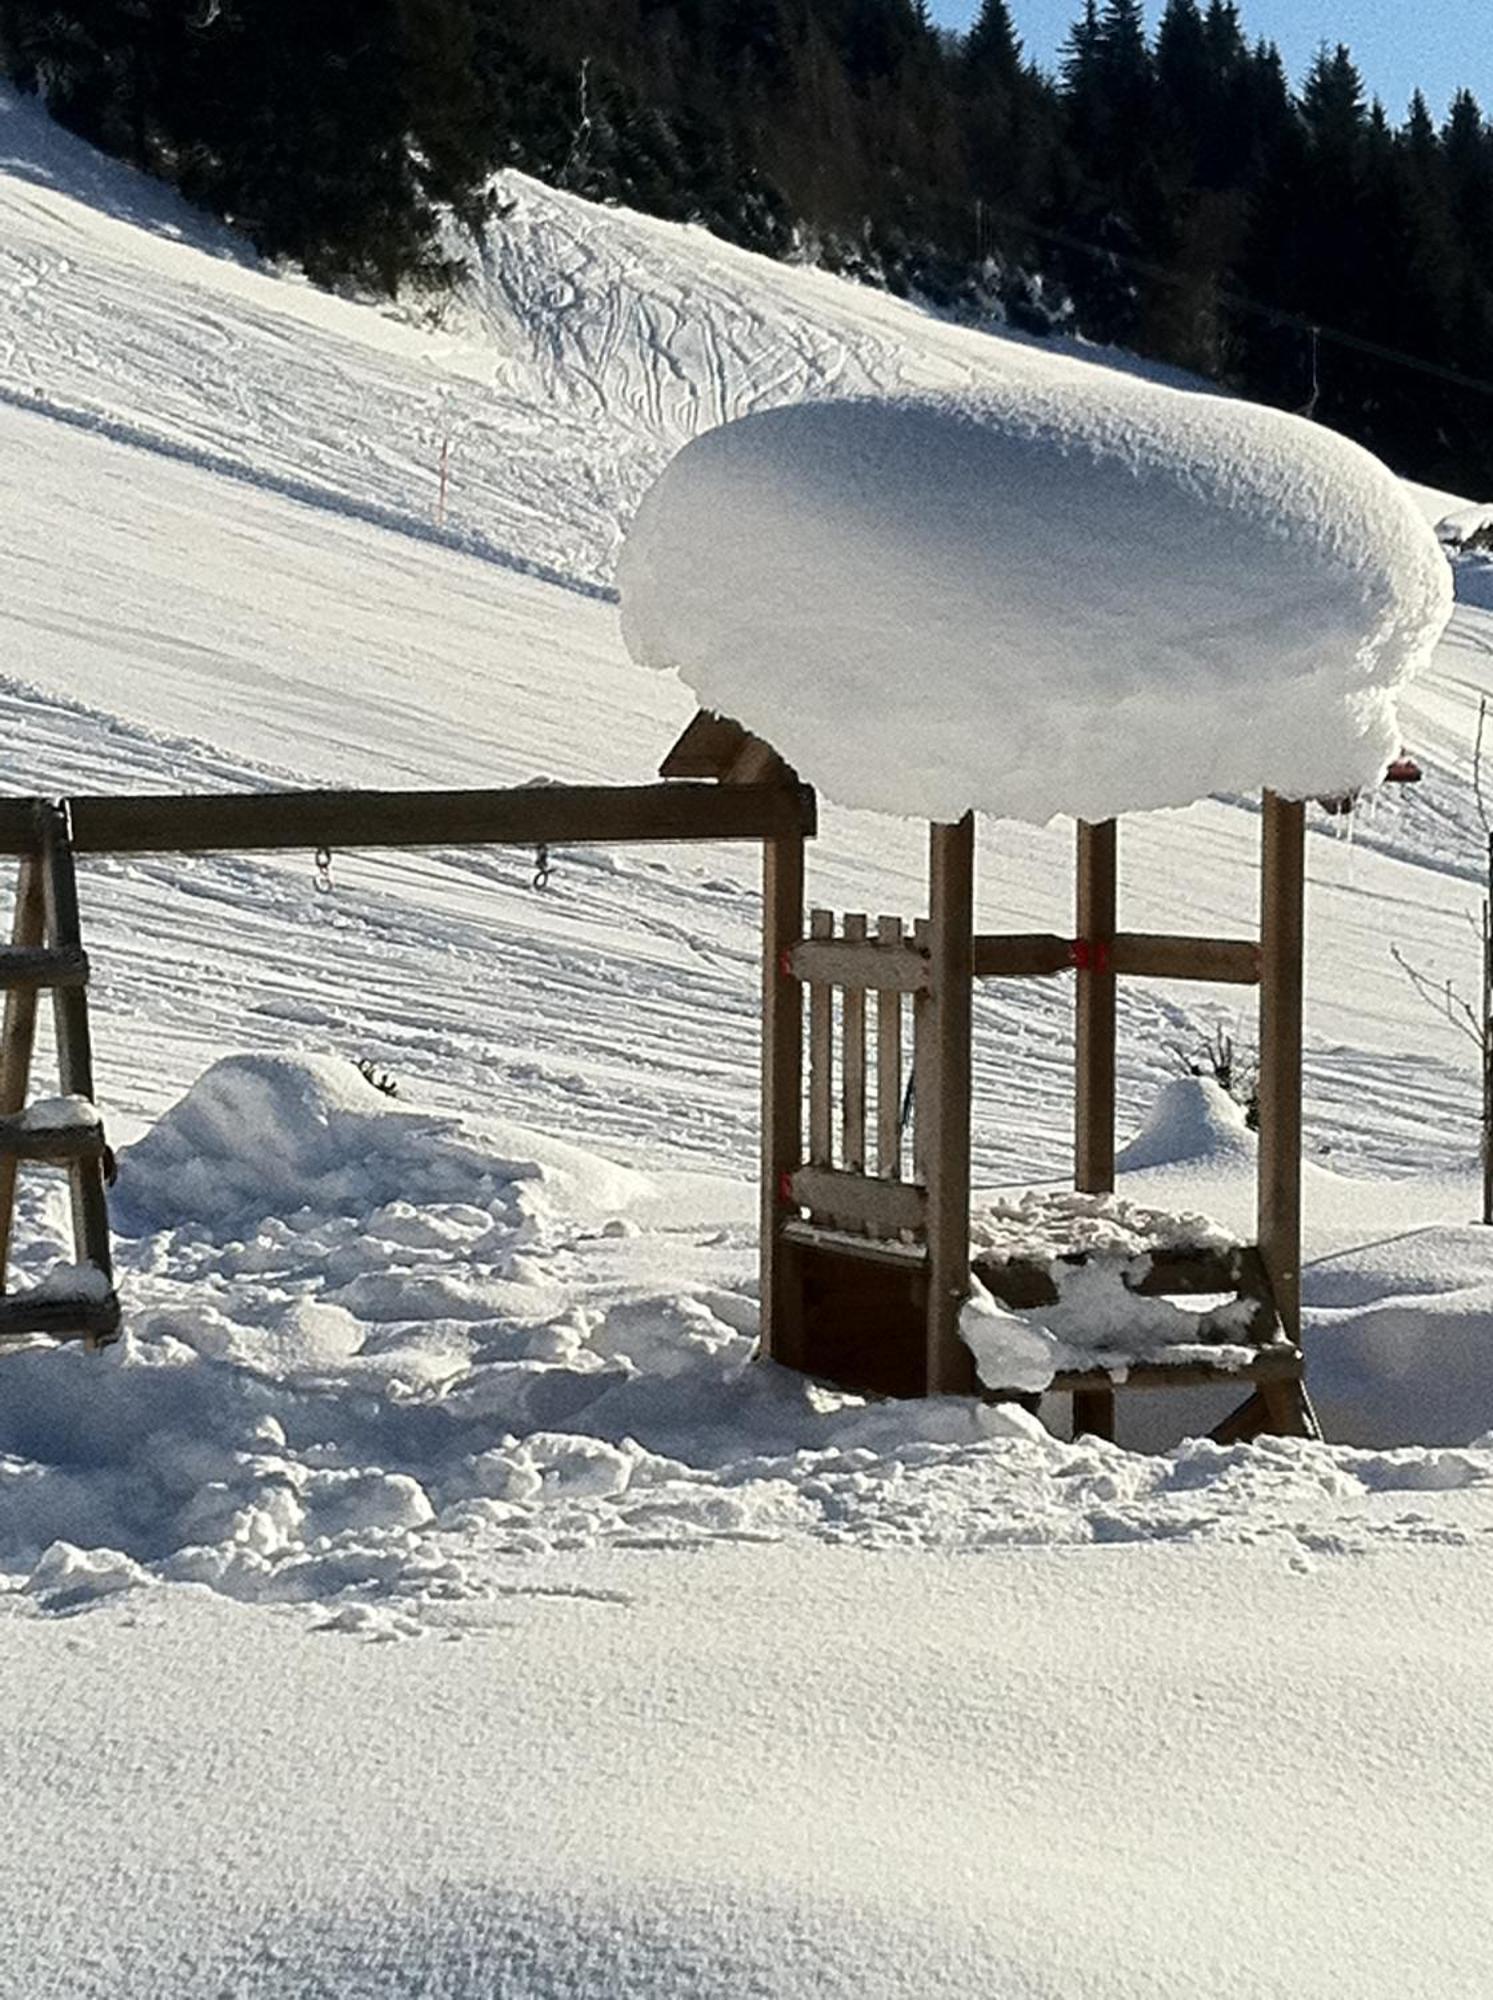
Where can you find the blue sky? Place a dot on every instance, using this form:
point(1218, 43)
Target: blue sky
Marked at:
point(1398, 43)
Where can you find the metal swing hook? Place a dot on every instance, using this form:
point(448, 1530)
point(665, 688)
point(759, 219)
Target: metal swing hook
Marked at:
point(322, 880)
point(542, 868)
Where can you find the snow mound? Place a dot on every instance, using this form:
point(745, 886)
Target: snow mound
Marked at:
point(1193, 1118)
point(1085, 598)
point(262, 1135)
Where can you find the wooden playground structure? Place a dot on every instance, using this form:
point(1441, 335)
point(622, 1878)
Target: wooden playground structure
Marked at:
point(866, 1259)
point(865, 1214)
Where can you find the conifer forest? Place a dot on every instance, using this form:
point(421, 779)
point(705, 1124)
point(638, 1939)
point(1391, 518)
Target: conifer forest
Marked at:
point(1175, 192)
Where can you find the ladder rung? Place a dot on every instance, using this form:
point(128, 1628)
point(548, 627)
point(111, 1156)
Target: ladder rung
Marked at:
point(59, 1144)
point(53, 969)
point(59, 1316)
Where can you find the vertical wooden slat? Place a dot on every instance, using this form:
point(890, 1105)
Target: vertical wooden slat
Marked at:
point(922, 1014)
point(1282, 942)
point(948, 1075)
point(74, 1044)
point(1094, 1096)
point(889, 1066)
point(782, 1086)
point(18, 1036)
point(821, 1056)
point(853, 1061)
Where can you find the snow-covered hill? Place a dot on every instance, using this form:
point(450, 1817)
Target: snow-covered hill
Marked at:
point(411, 1371)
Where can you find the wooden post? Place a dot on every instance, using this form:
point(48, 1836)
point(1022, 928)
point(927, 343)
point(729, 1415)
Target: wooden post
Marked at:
point(782, 1083)
point(18, 1036)
point(1282, 940)
point(948, 1076)
point(74, 1042)
point(1094, 1082)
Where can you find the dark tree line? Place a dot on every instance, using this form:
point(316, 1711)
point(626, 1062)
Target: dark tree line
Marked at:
point(1171, 193)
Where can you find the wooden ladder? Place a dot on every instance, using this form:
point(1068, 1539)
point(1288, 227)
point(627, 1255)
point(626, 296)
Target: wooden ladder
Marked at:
point(46, 953)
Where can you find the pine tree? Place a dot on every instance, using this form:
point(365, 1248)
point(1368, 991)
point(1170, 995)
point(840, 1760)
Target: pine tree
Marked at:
point(992, 52)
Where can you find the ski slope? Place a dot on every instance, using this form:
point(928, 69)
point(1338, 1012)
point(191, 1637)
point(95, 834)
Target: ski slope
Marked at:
point(756, 1688)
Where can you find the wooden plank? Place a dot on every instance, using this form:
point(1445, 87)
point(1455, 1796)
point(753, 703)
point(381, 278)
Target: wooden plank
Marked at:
point(821, 1057)
point(1217, 961)
point(526, 816)
point(862, 965)
point(1283, 914)
point(853, 1062)
point(782, 1088)
point(1094, 1094)
point(897, 1255)
point(55, 1145)
point(18, 1035)
point(708, 748)
point(853, 1202)
point(74, 1043)
point(21, 967)
point(1017, 955)
point(949, 1079)
point(889, 1061)
point(58, 1317)
point(1268, 1365)
point(922, 1013)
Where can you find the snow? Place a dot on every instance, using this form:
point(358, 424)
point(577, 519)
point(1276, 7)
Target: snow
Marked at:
point(57, 1114)
point(1193, 1118)
point(871, 584)
point(429, 1594)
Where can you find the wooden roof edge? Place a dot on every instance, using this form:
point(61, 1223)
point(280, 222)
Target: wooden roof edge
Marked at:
point(713, 746)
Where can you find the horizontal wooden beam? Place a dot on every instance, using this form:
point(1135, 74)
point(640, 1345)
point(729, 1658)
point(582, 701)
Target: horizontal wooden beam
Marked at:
point(855, 1202)
point(1133, 954)
point(526, 816)
point(1010, 955)
point(1281, 1363)
point(861, 966)
point(55, 1144)
point(25, 1316)
point(895, 1255)
point(1218, 961)
point(23, 969)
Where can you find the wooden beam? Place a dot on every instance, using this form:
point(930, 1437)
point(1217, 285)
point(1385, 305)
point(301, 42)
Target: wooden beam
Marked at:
point(1283, 927)
point(24, 1316)
point(1217, 961)
point(1011, 955)
point(856, 1203)
point(36, 968)
point(18, 1035)
point(782, 1089)
point(57, 1145)
point(949, 1080)
point(1094, 1091)
point(708, 748)
point(880, 965)
point(569, 815)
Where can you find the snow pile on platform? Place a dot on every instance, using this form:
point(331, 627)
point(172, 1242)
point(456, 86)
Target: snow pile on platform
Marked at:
point(1044, 1224)
point(1096, 1321)
point(1088, 599)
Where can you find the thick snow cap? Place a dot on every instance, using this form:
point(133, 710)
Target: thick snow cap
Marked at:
point(1092, 599)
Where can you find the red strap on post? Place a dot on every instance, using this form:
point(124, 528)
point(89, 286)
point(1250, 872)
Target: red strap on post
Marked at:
point(1092, 955)
point(785, 1189)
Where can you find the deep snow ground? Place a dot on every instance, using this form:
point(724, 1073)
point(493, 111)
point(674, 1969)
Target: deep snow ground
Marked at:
point(695, 1681)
